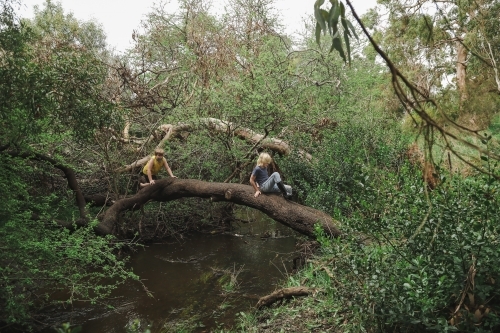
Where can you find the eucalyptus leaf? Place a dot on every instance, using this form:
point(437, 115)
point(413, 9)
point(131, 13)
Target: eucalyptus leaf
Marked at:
point(351, 27)
point(318, 15)
point(336, 14)
point(318, 33)
point(346, 30)
point(325, 16)
point(347, 45)
point(319, 3)
point(333, 9)
point(337, 45)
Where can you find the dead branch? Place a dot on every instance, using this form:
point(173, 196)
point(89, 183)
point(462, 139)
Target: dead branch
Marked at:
point(216, 125)
point(285, 293)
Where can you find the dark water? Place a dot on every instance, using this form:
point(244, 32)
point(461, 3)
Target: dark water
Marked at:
point(205, 279)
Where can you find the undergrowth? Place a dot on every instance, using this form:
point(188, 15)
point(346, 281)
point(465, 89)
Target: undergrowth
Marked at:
point(411, 260)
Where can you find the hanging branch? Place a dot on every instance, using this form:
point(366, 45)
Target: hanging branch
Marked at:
point(412, 98)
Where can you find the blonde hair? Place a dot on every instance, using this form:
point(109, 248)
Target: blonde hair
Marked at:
point(159, 151)
point(264, 158)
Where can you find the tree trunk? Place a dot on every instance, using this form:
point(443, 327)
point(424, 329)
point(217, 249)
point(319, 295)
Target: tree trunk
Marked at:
point(461, 72)
point(293, 215)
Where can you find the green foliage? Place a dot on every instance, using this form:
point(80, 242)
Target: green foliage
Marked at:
point(41, 258)
point(49, 85)
point(412, 260)
point(66, 328)
point(418, 39)
point(407, 262)
point(432, 253)
point(136, 327)
point(51, 90)
point(51, 21)
point(364, 136)
point(328, 21)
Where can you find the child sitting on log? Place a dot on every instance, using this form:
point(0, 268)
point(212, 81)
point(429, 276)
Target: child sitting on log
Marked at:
point(262, 183)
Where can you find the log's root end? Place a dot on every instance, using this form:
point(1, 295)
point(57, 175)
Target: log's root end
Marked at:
point(285, 293)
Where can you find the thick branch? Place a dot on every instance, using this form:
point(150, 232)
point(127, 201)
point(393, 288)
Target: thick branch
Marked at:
point(100, 199)
point(285, 293)
point(219, 126)
point(298, 217)
point(68, 173)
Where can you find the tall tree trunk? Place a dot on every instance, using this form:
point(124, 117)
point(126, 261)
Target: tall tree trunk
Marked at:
point(461, 72)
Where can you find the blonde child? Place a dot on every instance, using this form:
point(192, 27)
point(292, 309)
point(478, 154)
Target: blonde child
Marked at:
point(153, 167)
point(262, 183)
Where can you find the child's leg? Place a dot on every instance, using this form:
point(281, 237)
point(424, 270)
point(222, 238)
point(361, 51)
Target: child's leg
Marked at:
point(270, 184)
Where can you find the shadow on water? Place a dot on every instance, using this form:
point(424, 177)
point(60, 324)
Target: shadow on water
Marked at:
point(203, 278)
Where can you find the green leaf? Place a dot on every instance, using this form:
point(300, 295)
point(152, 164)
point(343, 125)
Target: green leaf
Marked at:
point(344, 24)
point(318, 33)
point(342, 16)
point(333, 9)
point(347, 46)
point(336, 14)
point(335, 30)
point(319, 3)
point(325, 16)
point(76, 329)
point(337, 45)
point(484, 158)
point(318, 15)
point(342, 10)
point(351, 27)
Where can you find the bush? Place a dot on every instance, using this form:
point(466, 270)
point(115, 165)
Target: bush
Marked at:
point(39, 257)
point(432, 262)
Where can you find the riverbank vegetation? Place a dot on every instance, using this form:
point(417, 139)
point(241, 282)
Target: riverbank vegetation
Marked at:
point(408, 169)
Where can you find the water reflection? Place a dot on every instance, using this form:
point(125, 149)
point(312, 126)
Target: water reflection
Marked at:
point(190, 278)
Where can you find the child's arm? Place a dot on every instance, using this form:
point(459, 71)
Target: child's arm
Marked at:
point(165, 163)
point(150, 176)
point(255, 186)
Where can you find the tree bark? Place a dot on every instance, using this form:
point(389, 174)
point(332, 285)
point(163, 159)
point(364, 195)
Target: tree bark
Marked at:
point(291, 214)
point(461, 71)
point(100, 199)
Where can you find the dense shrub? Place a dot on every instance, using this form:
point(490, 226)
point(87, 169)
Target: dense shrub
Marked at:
point(425, 261)
point(40, 259)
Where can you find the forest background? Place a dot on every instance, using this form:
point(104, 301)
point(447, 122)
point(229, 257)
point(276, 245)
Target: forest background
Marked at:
point(395, 136)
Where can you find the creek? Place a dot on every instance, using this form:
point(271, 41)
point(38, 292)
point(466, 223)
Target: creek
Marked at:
point(201, 279)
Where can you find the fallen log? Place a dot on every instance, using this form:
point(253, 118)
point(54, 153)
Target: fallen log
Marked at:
point(100, 199)
point(285, 293)
point(291, 214)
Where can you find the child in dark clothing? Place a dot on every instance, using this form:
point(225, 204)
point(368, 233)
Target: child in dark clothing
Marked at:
point(262, 183)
